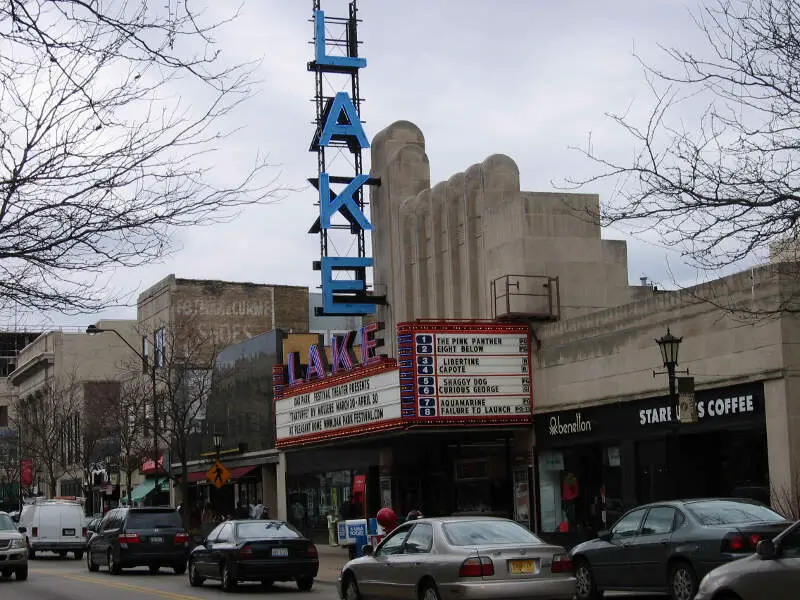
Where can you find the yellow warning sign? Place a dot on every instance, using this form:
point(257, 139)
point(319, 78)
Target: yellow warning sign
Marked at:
point(218, 475)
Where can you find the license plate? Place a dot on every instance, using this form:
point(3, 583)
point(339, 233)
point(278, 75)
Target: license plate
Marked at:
point(68, 531)
point(280, 552)
point(156, 540)
point(520, 567)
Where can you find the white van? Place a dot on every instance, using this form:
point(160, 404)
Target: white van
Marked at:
point(54, 526)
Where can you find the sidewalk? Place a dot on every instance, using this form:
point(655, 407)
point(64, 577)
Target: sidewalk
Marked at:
point(331, 561)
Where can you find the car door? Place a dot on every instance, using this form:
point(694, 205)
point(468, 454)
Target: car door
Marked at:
point(406, 566)
point(373, 573)
point(202, 555)
point(108, 527)
point(611, 561)
point(652, 547)
point(220, 549)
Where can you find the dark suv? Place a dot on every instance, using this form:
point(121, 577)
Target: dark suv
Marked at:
point(139, 537)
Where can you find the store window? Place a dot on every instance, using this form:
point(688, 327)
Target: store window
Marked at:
point(313, 496)
point(580, 488)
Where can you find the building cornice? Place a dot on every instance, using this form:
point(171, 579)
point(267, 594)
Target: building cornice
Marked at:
point(44, 359)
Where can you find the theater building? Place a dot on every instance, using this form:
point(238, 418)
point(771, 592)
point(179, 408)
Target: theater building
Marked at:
point(604, 434)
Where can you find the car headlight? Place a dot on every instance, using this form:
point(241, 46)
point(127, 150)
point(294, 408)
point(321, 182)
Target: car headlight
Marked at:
point(17, 543)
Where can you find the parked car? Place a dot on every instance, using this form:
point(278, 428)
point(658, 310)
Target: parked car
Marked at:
point(151, 537)
point(773, 572)
point(54, 526)
point(459, 557)
point(13, 549)
point(254, 550)
point(670, 546)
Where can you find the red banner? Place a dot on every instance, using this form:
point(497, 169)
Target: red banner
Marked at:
point(359, 484)
point(26, 472)
point(148, 466)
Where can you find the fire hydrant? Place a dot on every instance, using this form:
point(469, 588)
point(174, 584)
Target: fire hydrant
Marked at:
point(332, 528)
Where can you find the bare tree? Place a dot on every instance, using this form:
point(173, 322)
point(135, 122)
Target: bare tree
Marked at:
point(109, 110)
point(9, 469)
point(131, 428)
point(50, 422)
point(716, 173)
point(184, 381)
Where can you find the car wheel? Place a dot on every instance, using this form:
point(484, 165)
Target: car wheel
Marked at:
point(429, 592)
point(179, 568)
point(351, 588)
point(304, 584)
point(113, 565)
point(21, 573)
point(153, 569)
point(682, 582)
point(6, 572)
point(90, 564)
point(31, 554)
point(194, 579)
point(228, 580)
point(79, 555)
point(585, 585)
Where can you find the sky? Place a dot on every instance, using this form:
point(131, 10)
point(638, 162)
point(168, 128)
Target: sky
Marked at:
point(528, 78)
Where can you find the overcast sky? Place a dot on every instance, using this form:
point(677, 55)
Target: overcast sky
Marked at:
point(527, 78)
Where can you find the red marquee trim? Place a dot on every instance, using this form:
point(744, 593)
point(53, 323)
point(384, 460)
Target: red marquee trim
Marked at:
point(337, 434)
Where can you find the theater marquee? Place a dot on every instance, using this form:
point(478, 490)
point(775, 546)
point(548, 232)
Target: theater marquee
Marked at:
point(465, 372)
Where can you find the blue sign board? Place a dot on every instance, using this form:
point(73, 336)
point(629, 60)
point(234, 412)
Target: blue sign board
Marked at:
point(344, 278)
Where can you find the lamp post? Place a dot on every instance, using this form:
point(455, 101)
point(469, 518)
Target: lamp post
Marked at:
point(217, 441)
point(91, 330)
point(669, 346)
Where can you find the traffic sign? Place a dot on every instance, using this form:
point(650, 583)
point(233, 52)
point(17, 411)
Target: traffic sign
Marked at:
point(218, 474)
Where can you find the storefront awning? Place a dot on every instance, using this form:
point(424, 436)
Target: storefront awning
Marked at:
point(141, 491)
point(236, 473)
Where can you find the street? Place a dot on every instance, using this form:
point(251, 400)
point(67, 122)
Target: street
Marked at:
point(53, 578)
point(66, 579)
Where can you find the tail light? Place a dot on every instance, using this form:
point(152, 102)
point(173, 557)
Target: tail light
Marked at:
point(245, 552)
point(477, 566)
point(128, 538)
point(35, 532)
point(312, 551)
point(181, 538)
point(736, 542)
point(85, 532)
point(561, 564)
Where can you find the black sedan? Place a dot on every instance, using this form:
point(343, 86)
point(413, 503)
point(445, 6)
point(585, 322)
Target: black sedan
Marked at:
point(254, 550)
point(670, 546)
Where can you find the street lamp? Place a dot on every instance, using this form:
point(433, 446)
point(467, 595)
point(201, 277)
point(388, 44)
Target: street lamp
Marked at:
point(217, 441)
point(669, 346)
point(91, 330)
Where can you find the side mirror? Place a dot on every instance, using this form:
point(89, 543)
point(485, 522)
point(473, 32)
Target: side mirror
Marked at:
point(23, 530)
point(604, 535)
point(367, 550)
point(766, 549)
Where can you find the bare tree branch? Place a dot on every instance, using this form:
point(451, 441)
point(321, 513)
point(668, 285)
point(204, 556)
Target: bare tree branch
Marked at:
point(716, 173)
point(109, 113)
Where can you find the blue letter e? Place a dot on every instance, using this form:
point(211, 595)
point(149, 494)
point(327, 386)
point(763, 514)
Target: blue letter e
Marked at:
point(329, 264)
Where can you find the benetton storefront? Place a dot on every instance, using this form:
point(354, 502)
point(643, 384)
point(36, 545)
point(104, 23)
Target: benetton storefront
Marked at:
point(445, 428)
point(596, 462)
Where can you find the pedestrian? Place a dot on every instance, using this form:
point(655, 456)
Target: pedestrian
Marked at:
point(242, 512)
point(415, 514)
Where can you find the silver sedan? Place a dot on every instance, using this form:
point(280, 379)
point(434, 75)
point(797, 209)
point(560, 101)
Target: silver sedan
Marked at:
point(448, 558)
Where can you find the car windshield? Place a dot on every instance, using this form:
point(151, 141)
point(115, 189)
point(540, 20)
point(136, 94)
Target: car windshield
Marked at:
point(6, 524)
point(271, 530)
point(730, 512)
point(154, 519)
point(471, 533)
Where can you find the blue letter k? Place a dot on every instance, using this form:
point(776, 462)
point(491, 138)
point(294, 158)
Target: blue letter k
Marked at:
point(344, 202)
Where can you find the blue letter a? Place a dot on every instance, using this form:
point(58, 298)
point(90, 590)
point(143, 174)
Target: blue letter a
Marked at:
point(348, 128)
